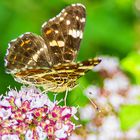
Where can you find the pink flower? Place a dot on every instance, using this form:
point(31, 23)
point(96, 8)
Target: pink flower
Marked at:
point(29, 114)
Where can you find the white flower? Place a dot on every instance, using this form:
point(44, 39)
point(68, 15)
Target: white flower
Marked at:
point(133, 95)
point(42, 135)
point(66, 111)
point(29, 135)
point(117, 83)
point(18, 102)
point(109, 64)
point(133, 133)
point(110, 129)
point(12, 122)
point(92, 92)
point(61, 133)
point(116, 100)
point(4, 103)
point(10, 137)
point(31, 114)
point(87, 112)
point(13, 93)
point(75, 137)
point(91, 127)
point(5, 114)
point(91, 137)
point(74, 110)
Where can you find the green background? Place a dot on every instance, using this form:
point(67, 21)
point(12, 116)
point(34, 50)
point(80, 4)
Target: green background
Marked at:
point(112, 28)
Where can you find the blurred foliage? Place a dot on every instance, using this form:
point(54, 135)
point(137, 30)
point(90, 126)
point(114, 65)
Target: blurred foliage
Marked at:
point(132, 64)
point(129, 116)
point(110, 29)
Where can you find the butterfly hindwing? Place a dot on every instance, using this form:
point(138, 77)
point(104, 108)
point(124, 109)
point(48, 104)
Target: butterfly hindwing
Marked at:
point(58, 79)
point(27, 51)
point(63, 33)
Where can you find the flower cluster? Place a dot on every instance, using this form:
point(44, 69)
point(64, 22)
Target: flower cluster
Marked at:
point(116, 90)
point(29, 114)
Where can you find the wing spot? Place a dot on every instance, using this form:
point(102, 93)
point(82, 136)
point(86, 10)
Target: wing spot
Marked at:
point(52, 19)
point(35, 57)
point(61, 18)
point(77, 17)
point(68, 22)
point(68, 61)
point(73, 5)
point(27, 41)
point(44, 24)
point(22, 44)
point(48, 32)
point(81, 35)
point(73, 33)
point(13, 40)
point(28, 49)
point(83, 20)
point(27, 33)
point(79, 4)
point(56, 31)
point(61, 43)
point(65, 13)
point(15, 57)
point(53, 43)
point(58, 15)
point(42, 49)
point(76, 33)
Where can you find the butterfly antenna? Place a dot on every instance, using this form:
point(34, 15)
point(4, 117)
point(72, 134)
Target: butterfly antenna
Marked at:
point(92, 101)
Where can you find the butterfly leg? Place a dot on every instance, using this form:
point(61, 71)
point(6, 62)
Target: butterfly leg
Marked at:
point(65, 98)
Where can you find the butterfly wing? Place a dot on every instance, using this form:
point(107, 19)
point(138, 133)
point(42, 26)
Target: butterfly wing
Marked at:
point(27, 51)
point(62, 77)
point(63, 33)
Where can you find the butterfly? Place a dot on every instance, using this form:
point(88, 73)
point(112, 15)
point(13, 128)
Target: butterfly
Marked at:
point(49, 60)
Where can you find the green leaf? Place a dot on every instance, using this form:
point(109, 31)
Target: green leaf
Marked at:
point(129, 116)
point(132, 64)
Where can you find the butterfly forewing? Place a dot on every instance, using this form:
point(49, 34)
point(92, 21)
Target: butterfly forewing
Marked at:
point(63, 33)
point(27, 51)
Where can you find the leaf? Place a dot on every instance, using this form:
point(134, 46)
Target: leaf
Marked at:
point(129, 116)
point(132, 64)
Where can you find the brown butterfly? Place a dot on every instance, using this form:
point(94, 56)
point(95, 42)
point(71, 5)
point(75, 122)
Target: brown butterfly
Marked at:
point(48, 60)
